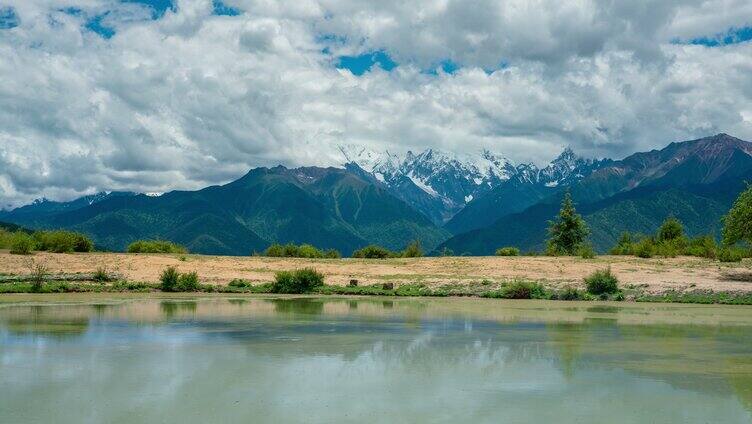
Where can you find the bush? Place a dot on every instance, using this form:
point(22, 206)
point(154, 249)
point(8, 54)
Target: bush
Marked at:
point(239, 284)
point(374, 252)
point(570, 293)
point(602, 282)
point(22, 244)
point(332, 254)
point(308, 251)
point(101, 275)
point(155, 246)
point(520, 289)
point(290, 250)
point(38, 276)
point(645, 248)
point(704, 247)
point(586, 251)
point(413, 250)
point(169, 279)
point(625, 245)
point(671, 229)
point(730, 254)
point(298, 281)
point(669, 248)
point(188, 282)
point(275, 251)
point(507, 251)
point(62, 241)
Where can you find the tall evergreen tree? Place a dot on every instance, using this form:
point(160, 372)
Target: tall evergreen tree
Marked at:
point(569, 231)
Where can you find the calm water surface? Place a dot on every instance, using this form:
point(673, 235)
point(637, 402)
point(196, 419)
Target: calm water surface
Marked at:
point(284, 360)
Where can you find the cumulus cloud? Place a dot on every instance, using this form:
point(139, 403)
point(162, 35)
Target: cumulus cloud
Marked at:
point(186, 98)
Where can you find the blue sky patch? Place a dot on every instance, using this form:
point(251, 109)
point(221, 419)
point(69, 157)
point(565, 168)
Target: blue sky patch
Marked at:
point(447, 66)
point(95, 24)
point(223, 10)
point(732, 36)
point(361, 64)
point(159, 7)
point(8, 18)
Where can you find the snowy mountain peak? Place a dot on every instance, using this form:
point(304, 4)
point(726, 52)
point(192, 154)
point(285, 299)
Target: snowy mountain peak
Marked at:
point(452, 180)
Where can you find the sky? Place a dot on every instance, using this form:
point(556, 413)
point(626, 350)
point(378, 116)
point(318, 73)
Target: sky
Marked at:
point(155, 95)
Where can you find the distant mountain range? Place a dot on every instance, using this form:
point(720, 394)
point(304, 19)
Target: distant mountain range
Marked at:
point(441, 185)
point(470, 204)
point(695, 181)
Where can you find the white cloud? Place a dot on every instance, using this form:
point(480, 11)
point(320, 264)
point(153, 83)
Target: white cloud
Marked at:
point(193, 99)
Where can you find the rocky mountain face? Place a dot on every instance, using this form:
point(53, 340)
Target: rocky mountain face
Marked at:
point(440, 184)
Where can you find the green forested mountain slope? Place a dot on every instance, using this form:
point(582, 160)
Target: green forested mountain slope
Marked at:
point(328, 207)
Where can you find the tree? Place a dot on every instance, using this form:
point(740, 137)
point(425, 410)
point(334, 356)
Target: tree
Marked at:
point(670, 230)
point(737, 224)
point(569, 231)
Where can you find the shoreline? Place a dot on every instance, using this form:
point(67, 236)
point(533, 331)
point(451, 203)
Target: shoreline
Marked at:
point(660, 280)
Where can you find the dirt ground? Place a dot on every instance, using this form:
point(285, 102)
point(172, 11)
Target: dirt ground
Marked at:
point(655, 275)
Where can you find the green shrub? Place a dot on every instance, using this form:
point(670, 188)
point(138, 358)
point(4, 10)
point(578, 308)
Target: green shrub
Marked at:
point(155, 246)
point(169, 279)
point(704, 247)
point(101, 275)
point(60, 241)
point(507, 251)
point(22, 243)
point(332, 254)
point(413, 250)
point(290, 250)
point(671, 229)
point(38, 276)
point(570, 293)
point(239, 284)
point(521, 289)
point(298, 281)
point(730, 254)
point(188, 282)
point(6, 238)
point(586, 251)
point(668, 248)
point(645, 248)
point(308, 251)
point(374, 252)
point(602, 282)
point(624, 246)
point(276, 250)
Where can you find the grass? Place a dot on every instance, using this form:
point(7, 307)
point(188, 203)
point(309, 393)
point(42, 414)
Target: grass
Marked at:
point(519, 289)
point(706, 298)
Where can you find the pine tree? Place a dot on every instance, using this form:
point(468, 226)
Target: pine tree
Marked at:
point(568, 232)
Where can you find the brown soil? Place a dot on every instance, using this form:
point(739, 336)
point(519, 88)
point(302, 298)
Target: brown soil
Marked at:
point(650, 275)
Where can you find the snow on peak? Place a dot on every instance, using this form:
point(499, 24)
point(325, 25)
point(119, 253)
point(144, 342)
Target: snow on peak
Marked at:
point(369, 160)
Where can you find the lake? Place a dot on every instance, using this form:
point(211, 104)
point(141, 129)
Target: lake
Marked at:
point(97, 359)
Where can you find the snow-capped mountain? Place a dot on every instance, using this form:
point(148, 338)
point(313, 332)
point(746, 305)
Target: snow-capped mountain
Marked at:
point(440, 184)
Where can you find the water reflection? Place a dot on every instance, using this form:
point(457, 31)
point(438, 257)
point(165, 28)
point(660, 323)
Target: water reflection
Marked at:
point(344, 360)
point(172, 308)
